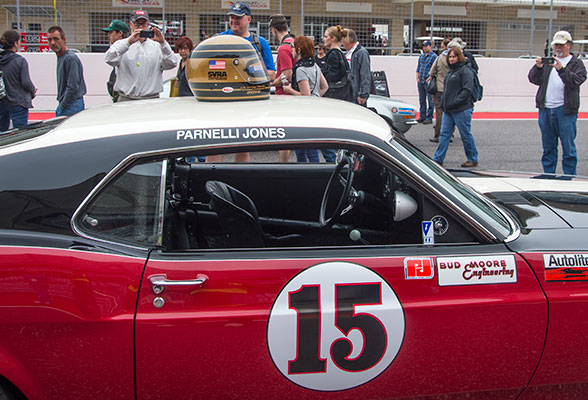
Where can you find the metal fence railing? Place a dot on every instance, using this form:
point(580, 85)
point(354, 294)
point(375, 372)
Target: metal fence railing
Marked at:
point(496, 28)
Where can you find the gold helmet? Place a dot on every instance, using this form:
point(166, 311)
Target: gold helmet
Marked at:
point(225, 68)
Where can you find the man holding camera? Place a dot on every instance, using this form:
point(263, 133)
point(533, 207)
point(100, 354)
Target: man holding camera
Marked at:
point(140, 60)
point(558, 100)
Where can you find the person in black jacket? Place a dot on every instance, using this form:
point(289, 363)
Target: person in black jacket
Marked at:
point(558, 101)
point(457, 103)
point(17, 82)
point(336, 69)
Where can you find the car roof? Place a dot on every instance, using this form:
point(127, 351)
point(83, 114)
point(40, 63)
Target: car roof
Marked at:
point(136, 117)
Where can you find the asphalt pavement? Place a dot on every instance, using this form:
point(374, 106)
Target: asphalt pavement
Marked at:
point(503, 145)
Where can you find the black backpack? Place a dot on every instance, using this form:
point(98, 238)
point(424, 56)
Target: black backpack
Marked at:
point(478, 92)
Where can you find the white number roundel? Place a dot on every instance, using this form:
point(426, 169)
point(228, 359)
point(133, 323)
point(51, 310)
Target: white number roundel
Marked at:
point(335, 326)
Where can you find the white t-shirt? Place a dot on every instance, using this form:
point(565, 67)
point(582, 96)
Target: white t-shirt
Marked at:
point(313, 76)
point(555, 87)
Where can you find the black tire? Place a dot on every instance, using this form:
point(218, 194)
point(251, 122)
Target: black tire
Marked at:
point(8, 391)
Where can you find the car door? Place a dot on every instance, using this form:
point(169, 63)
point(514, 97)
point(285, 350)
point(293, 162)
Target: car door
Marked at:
point(562, 372)
point(461, 319)
point(382, 323)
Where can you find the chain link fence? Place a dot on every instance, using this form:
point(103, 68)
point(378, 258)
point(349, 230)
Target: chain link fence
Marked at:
point(492, 28)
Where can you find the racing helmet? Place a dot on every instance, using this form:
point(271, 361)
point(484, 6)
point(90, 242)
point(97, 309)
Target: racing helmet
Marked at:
point(225, 68)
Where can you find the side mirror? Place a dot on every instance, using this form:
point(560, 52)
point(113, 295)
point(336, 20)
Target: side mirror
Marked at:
point(404, 206)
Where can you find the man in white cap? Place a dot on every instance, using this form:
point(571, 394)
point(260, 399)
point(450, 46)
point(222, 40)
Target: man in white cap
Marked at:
point(140, 60)
point(558, 100)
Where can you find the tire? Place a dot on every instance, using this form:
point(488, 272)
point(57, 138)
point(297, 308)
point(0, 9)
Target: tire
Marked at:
point(8, 391)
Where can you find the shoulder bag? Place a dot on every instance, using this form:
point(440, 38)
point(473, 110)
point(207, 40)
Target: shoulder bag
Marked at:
point(432, 85)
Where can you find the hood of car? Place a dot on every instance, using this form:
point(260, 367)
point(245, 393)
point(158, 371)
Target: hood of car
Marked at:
point(537, 202)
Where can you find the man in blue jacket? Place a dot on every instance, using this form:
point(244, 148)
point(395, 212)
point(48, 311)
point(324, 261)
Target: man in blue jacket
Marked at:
point(239, 20)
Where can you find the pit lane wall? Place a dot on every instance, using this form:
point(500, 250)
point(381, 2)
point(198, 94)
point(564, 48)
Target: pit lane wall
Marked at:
point(506, 88)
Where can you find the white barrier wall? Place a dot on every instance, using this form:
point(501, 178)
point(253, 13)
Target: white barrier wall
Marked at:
point(506, 87)
point(42, 67)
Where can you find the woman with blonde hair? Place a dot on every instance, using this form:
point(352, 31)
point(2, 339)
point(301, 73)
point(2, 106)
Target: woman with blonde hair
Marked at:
point(336, 68)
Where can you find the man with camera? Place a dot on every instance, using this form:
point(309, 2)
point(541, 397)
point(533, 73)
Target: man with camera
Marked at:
point(140, 60)
point(558, 100)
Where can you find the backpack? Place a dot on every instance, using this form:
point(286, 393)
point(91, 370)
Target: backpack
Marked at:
point(478, 92)
point(344, 79)
point(340, 89)
point(304, 62)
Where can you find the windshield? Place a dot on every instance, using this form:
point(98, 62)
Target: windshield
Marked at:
point(484, 207)
point(28, 132)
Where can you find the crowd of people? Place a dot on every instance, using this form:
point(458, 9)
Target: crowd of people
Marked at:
point(447, 83)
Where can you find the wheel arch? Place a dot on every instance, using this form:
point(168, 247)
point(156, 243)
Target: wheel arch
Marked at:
point(15, 380)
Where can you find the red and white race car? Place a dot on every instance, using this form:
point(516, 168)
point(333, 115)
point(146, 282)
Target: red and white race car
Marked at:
point(128, 269)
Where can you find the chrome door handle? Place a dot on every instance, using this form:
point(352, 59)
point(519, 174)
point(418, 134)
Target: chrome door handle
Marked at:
point(161, 280)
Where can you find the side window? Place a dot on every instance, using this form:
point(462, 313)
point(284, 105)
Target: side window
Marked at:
point(265, 203)
point(127, 209)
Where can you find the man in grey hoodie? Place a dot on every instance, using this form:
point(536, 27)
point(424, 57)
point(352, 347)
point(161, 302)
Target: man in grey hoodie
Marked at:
point(17, 82)
point(71, 86)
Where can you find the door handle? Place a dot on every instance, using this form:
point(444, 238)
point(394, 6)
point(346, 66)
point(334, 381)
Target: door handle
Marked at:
point(161, 280)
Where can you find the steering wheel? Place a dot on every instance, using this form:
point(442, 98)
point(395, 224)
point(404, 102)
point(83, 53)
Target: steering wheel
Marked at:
point(337, 178)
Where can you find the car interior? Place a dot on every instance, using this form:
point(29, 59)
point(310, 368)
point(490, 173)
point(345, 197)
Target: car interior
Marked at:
point(357, 201)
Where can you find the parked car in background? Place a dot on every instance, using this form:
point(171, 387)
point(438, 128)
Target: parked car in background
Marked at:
point(398, 114)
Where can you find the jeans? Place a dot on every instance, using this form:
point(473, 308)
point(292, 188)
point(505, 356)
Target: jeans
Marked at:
point(74, 108)
point(329, 155)
point(307, 155)
point(555, 124)
point(424, 97)
point(19, 116)
point(463, 121)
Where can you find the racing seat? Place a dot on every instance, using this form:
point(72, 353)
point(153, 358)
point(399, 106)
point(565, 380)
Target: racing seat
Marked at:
point(239, 219)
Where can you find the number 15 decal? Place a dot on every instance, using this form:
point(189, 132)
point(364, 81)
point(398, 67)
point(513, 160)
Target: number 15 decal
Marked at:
point(335, 326)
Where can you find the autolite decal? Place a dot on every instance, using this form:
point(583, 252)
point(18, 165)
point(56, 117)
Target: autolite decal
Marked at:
point(479, 270)
point(566, 267)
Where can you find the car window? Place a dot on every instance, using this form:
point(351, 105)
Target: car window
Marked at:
point(268, 204)
point(30, 131)
point(127, 208)
point(483, 208)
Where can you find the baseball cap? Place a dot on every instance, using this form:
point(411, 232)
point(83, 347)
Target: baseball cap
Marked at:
point(139, 14)
point(561, 37)
point(459, 41)
point(427, 43)
point(239, 9)
point(277, 19)
point(117, 25)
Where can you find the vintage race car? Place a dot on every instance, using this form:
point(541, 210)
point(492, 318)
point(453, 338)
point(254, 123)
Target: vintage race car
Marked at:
point(128, 269)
